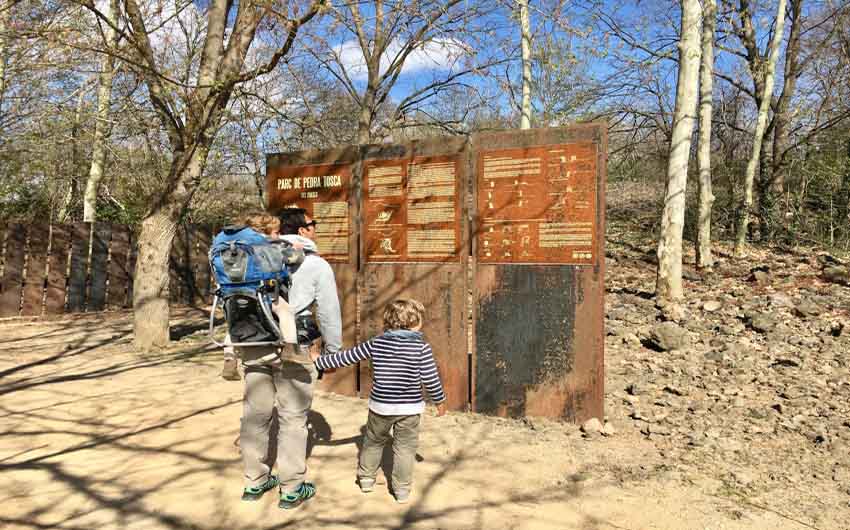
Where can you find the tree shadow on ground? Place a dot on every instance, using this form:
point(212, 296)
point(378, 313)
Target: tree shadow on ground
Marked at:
point(76, 454)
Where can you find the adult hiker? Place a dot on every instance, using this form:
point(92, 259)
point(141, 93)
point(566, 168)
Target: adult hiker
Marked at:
point(287, 384)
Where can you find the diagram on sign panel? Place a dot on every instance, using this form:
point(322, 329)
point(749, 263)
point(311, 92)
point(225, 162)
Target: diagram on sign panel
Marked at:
point(518, 191)
point(507, 239)
point(486, 243)
point(558, 171)
point(560, 199)
point(386, 213)
point(384, 216)
point(387, 246)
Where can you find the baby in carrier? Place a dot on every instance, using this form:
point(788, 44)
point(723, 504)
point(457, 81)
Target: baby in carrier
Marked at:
point(269, 226)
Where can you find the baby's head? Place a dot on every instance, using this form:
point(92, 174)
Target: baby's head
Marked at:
point(404, 314)
point(263, 222)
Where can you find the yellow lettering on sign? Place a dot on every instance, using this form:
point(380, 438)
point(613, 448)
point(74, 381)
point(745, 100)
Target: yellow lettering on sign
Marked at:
point(312, 182)
point(332, 181)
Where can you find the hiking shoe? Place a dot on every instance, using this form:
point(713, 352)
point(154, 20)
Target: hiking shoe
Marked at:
point(255, 492)
point(292, 500)
point(402, 497)
point(366, 484)
point(229, 370)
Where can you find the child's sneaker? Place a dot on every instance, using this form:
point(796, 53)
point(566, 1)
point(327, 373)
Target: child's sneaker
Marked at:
point(402, 497)
point(254, 493)
point(304, 492)
point(229, 370)
point(366, 484)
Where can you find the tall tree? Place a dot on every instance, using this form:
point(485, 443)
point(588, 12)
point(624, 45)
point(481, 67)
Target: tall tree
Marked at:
point(190, 111)
point(102, 126)
point(525, 36)
point(704, 256)
point(381, 38)
point(70, 198)
point(668, 285)
point(761, 122)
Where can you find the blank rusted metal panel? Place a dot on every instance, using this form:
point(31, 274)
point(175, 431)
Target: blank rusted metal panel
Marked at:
point(442, 289)
point(11, 286)
point(411, 191)
point(98, 270)
point(321, 182)
point(60, 236)
point(77, 281)
point(539, 300)
point(36, 267)
point(119, 273)
point(344, 380)
point(539, 341)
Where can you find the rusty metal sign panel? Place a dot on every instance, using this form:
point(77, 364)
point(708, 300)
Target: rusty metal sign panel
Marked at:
point(322, 190)
point(415, 245)
point(538, 286)
point(412, 210)
point(322, 182)
point(515, 219)
point(537, 204)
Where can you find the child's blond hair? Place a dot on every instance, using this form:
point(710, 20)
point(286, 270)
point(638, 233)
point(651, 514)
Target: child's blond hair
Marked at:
point(404, 314)
point(261, 222)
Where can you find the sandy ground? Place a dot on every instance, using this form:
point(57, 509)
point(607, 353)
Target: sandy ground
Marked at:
point(96, 435)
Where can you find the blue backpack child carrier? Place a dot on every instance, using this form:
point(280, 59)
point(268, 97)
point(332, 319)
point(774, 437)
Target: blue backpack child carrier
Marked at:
point(251, 272)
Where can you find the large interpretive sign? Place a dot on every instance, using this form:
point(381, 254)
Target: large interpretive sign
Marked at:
point(500, 234)
point(322, 190)
point(411, 210)
point(538, 204)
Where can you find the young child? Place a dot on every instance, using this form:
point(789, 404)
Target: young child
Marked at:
point(268, 225)
point(402, 362)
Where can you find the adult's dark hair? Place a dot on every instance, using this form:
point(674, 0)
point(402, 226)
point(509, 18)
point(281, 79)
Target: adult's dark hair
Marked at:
point(291, 219)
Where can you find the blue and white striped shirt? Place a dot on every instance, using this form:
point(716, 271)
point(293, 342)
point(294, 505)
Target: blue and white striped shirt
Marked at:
point(402, 362)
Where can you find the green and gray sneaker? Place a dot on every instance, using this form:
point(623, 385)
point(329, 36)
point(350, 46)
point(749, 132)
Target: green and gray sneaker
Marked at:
point(255, 492)
point(292, 500)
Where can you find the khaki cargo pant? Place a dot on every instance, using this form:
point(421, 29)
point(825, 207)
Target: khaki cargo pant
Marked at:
point(405, 439)
point(287, 388)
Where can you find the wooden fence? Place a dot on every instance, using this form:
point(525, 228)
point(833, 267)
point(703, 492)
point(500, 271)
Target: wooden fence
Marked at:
point(51, 269)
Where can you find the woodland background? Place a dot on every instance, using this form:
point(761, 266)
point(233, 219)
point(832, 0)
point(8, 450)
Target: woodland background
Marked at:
point(150, 113)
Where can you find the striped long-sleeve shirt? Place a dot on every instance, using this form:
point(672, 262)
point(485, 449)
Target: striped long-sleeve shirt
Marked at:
point(402, 363)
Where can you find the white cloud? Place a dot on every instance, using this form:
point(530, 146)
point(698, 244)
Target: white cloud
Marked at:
point(438, 54)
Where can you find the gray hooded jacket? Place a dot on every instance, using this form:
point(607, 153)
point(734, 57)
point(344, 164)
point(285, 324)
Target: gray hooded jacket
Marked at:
point(314, 283)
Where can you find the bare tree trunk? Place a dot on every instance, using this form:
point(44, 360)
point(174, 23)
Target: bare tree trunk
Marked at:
point(668, 285)
point(70, 197)
point(525, 29)
point(364, 120)
point(773, 183)
point(761, 123)
point(150, 286)
point(101, 126)
point(704, 257)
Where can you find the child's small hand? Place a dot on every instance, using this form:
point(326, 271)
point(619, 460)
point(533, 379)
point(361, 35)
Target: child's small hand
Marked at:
point(441, 408)
point(314, 354)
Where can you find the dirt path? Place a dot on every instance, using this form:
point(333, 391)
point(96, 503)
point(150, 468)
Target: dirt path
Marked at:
point(98, 436)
